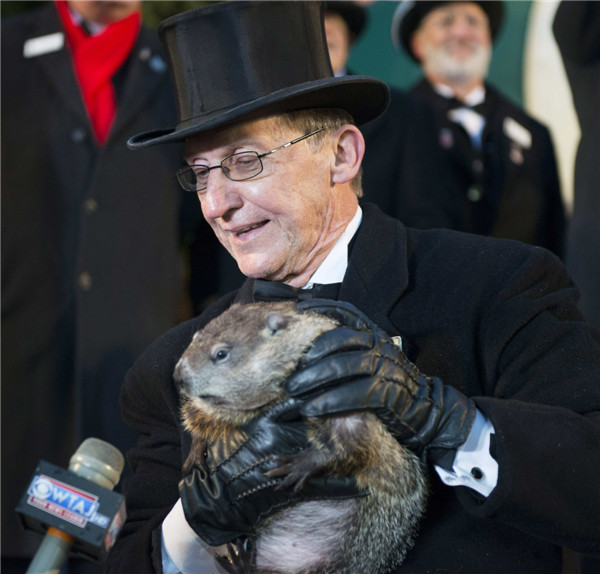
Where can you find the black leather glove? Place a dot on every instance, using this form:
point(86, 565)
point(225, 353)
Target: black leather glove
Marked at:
point(225, 496)
point(358, 367)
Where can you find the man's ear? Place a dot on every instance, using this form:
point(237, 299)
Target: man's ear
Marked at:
point(416, 45)
point(348, 153)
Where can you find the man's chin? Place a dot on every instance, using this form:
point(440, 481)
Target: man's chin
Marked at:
point(255, 269)
point(459, 68)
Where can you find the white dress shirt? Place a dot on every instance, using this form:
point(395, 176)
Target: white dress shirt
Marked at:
point(472, 121)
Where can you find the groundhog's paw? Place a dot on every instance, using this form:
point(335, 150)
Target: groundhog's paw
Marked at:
point(296, 470)
point(240, 558)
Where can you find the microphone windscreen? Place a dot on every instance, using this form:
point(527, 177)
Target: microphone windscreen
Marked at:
point(98, 461)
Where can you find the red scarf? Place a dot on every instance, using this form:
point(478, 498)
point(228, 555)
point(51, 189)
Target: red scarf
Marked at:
point(96, 60)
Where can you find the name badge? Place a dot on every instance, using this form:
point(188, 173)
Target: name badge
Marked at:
point(517, 133)
point(43, 45)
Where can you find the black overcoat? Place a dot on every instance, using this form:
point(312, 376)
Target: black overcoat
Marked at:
point(577, 32)
point(496, 319)
point(91, 251)
point(509, 188)
point(402, 173)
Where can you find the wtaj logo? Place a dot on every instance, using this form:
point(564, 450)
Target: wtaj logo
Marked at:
point(62, 500)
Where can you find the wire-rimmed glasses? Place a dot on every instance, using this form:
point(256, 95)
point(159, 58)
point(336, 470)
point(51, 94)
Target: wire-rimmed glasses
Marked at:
point(236, 167)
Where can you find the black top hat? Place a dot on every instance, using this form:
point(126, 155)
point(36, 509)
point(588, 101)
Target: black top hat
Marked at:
point(354, 15)
point(234, 61)
point(410, 13)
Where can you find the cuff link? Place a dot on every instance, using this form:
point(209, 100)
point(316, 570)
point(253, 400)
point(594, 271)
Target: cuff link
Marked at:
point(477, 473)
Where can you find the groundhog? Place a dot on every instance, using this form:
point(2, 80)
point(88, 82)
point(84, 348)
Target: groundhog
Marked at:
point(233, 371)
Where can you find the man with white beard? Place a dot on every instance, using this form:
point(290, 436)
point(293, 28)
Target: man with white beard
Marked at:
point(505, 175)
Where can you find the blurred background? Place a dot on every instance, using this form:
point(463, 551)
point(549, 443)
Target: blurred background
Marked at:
point(526, 65)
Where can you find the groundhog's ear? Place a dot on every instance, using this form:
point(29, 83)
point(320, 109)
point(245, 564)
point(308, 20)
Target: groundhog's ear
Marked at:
point(276, 322)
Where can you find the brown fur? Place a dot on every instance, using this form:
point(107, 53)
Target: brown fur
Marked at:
point(233, 371)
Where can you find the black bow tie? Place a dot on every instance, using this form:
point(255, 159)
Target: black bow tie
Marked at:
point(269, 291)
point(455, 104)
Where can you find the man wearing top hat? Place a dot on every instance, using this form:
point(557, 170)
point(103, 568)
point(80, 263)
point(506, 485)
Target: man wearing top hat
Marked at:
point(506, 421)
point(503, 162)
point(396, 176)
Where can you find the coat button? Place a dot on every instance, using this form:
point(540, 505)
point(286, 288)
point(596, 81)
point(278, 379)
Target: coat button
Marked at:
point(85, 281)
point(145, 54)
point(78, 135)
point(474, 194)
point(90, 205)
point(477, 166)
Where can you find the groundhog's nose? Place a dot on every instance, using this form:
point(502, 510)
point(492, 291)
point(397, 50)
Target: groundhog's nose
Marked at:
point(178, 376)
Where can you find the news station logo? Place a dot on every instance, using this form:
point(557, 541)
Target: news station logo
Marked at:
point(65, 501)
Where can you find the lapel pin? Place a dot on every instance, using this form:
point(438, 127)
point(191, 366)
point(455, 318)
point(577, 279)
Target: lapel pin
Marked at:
point(157, 64)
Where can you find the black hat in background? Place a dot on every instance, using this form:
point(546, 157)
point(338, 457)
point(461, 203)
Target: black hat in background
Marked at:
point(410, 13)
point(234, 61)
point(353, 14)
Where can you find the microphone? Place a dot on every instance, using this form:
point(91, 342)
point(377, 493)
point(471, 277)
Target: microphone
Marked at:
point(75, 508)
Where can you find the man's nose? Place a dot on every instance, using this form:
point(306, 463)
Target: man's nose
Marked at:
point(220, 195)
point(461, 27)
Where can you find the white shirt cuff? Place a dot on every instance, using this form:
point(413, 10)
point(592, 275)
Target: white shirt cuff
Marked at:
point(183, 551)
point(474, 466)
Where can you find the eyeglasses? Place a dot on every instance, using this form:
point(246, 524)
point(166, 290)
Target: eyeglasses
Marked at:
point(236, 167)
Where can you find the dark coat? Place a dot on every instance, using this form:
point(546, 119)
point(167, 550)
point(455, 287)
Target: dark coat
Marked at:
point(496, 319)
point(402, 173)
point(509, 189)
point(91, 252)
point(577, 32)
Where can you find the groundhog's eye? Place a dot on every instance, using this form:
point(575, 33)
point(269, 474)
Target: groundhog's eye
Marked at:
point(220, 354)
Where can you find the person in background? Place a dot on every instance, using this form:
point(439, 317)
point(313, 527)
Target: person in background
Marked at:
point(397, 175)
point(577, 32)
point(576, 29)
point(93, 236)
point(496, 385)
point(344, 23)
point(504, 165)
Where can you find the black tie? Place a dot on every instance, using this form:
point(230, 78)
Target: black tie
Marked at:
point(269, 291)
point(86, 28)
point(455, 103)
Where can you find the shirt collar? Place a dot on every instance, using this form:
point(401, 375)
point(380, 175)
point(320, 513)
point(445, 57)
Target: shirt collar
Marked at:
point(333, 268)
point(93, 27)
point(474, 97)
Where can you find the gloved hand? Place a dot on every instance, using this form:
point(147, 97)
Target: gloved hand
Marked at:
point(358, 367)
point(225, 496)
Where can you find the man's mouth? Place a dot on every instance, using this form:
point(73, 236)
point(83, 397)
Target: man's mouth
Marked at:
point(243, 231)
point(461, 48)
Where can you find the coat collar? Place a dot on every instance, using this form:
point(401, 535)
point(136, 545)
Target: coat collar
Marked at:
point(377, 274)
point(54, 65)
point(147, 71)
